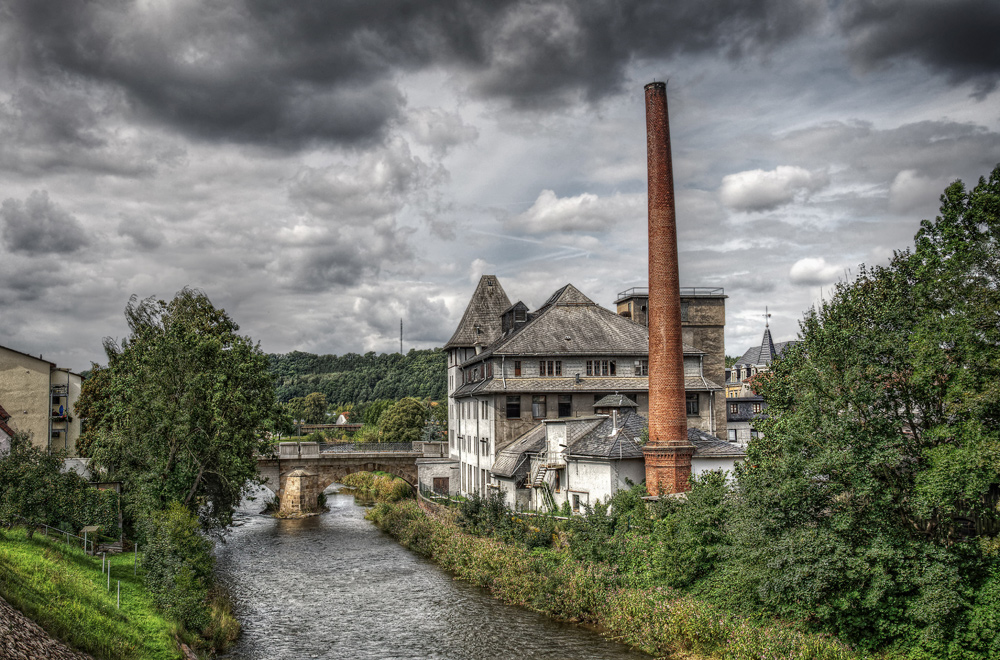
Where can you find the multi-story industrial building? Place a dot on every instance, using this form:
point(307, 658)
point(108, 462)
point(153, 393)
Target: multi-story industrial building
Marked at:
point(510, 370)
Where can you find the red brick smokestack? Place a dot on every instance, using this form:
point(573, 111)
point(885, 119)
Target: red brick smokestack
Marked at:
point(668, 453)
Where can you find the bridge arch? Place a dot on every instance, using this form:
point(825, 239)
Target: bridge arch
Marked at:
point(334, 473)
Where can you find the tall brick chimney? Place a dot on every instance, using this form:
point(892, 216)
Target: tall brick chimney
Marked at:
point(668, 452)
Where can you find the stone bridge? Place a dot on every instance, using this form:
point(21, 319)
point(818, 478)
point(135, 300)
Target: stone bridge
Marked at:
point(302, 470)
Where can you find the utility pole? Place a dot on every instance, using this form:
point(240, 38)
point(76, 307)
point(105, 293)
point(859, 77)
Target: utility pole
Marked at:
point(400, 336)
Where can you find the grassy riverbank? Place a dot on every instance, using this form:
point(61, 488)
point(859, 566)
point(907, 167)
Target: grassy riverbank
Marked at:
point(65, 592)
point(661, 622)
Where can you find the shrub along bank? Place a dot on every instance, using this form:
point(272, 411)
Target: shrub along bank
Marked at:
point(657, 620)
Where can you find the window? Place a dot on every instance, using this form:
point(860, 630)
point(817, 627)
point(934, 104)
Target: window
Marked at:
point(642, 369)
point(558, 368)
point(576, 498)
point(541, 367)
point(485, 411)
point(692, 403)
point(565, 405)
point(732, 435)
point(734, 408)
point(754, 434)
point(590, 367)
point(756, 407)
point(538, 407)
point(558, 480)
point(612, 367)
point(517, 367)
point(513, 407)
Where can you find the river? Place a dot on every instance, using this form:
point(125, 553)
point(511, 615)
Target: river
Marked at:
point(335, 586)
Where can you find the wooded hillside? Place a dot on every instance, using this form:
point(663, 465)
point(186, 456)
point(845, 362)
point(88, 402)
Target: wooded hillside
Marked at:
point(353, 378)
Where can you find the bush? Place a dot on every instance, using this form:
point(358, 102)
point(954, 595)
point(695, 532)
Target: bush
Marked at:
point(178, 562)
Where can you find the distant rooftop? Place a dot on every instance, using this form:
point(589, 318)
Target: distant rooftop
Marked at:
point(686, 292)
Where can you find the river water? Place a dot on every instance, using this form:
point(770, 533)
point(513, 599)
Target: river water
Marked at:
point(335, 586)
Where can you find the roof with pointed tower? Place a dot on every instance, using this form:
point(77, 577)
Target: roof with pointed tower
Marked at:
point(480, 323)
point(765, 353)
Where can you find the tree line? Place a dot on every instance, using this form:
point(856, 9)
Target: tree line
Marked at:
point(353, 379)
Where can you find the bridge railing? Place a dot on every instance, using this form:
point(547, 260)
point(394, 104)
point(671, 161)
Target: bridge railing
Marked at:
point(366, 447)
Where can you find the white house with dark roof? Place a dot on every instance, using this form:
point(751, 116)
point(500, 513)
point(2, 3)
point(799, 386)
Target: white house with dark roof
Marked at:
point(512, 371)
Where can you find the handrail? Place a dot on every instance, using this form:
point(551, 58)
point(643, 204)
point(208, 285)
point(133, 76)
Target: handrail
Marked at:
point(686, 291)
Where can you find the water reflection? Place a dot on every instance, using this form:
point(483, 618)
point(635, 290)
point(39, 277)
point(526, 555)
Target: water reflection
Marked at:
point(334, 586)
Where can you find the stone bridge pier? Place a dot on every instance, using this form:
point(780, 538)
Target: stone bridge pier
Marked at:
point(300, 471)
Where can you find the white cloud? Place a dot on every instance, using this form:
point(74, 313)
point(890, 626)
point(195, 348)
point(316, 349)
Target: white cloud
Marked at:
point(814, 271)
point(760, 190)
point(583, 213)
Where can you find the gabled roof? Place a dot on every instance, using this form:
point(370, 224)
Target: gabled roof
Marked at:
point(570, 323)
point(509, 462)
point(480, 323)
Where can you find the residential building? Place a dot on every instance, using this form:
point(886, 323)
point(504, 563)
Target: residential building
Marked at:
point(743, 404)
point(512, 371)
point(39, 399)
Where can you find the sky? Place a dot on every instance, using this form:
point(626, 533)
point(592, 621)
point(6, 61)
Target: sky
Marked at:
point(322, 170)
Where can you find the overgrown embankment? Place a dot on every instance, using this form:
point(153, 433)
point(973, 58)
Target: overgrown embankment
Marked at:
point(659, 621)
point(64, 591)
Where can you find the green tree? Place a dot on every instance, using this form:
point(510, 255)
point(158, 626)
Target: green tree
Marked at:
point(315, 408)
point(35, 491)
point(182, 411)
point(404, 421)
point(179, 562)
point(881, 448)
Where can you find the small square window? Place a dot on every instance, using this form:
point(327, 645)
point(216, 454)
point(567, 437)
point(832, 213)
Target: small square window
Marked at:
point(513, 407)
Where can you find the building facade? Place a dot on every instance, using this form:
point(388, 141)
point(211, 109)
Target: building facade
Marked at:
point(511, 370)
point(743, 404)
point(39, 399)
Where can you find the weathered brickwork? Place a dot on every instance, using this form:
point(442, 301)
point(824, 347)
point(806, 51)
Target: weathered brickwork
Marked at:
point(667, 412)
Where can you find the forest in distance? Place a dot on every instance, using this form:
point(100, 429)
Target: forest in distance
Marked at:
point(355, 378)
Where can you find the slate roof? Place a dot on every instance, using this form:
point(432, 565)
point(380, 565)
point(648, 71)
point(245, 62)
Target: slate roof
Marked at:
point(592, 437)
point(616, 401)
point(708, 446)
point(495, 385)
point(570, 323)
point(509, 462)
point(600, 443)
point(764, 353)
point(480, 323)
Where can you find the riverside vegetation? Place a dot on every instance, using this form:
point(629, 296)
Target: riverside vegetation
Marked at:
point(868, 511)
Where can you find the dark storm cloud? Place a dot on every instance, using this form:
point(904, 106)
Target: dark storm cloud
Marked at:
point(955, 37)
point(287, 73)
point(38, 226)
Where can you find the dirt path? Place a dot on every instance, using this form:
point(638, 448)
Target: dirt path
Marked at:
point(23, 639)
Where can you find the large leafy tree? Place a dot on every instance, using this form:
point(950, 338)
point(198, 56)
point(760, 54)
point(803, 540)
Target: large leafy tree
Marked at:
point(865, 508)
point(404, 421)
point(180, 411)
